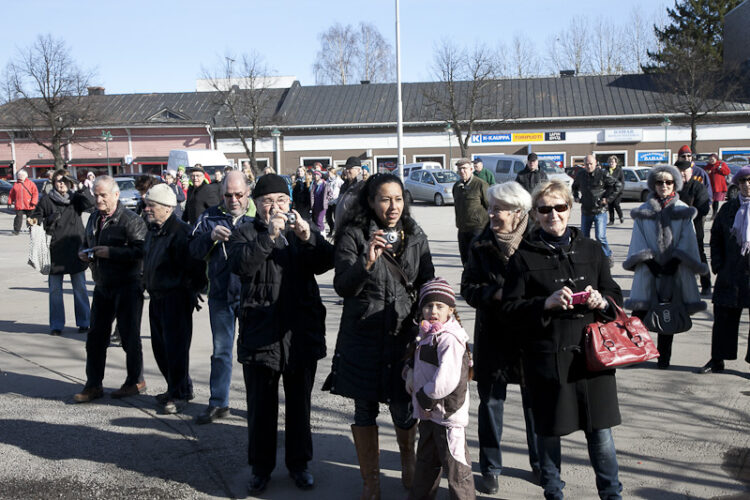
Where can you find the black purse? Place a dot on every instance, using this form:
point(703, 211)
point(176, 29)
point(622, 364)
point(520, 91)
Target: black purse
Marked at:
point(667, 315)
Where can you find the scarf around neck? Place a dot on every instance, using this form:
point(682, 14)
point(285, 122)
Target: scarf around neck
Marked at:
point(57, 196)
point(667, 200)
point(508, 242)
point(741, 227)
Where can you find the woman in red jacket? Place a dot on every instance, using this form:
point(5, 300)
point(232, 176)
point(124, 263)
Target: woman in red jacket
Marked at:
point(717, 171)
point(24, 197)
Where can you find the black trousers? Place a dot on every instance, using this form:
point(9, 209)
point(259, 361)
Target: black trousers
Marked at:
point(464, 238)
point(615, 206)
point(262, 387)
point(171, 319)
point(705, 278)
point(126, 305)
point(725, 333)
point(18, 219)
point(329, 217)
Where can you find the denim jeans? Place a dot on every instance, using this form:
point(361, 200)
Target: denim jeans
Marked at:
point(491, 402)
point(223, 316)
point(600, 226)
point(80, 301)
point(603, 459)
point(365, 413)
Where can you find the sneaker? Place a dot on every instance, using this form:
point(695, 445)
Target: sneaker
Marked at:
point(88, 394)
point(129, 390)
point(174, 406)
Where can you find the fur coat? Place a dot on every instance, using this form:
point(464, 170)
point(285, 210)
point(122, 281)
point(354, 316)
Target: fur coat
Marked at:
point(664, 236)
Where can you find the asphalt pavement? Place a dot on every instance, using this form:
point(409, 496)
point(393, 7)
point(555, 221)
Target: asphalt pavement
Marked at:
point(683, 435)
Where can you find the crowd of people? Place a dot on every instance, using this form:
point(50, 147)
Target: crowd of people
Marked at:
point(256, 246)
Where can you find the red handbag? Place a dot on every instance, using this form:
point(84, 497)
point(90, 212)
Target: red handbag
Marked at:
point(621, 342)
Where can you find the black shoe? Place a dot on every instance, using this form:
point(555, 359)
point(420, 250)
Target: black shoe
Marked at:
point(622, 221)
point(55, 333)
point(303, 479)
point(258, 484)
point(162, 398)
point(706, 291)
point(536, 473)
point(662, 364)
point(713, 366)
point(489, 483)
point(212, 413)
point(611, 223)
point(83, 329)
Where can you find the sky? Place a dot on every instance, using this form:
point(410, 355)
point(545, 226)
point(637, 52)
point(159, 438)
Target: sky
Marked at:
point(142, 46)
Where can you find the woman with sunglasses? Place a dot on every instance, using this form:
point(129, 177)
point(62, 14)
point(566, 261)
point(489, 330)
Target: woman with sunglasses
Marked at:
point(557, 282)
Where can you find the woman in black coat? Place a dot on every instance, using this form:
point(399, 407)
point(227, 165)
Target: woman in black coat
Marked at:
point(552, 264)
point(497, 356)
point(301, 193)
point(381, 258)
point(60, 214)
point(615, 170)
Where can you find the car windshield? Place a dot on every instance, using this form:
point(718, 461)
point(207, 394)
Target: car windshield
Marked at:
point(5, 184)
point(125, 184)
point(550, 167)
point(445, 176)
point(643, 173)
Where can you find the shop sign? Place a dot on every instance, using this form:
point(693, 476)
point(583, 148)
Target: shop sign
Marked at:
point(529, 137)
point(522, 137)
point(652, 157)
point(623, 135)
point(490, 138)
point(558, 158)
point(554, 136)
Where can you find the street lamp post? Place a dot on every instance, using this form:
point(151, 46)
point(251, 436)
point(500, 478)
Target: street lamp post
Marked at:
point(276, 133)
point(450, 145)
point(666, 123)
point(107, 137)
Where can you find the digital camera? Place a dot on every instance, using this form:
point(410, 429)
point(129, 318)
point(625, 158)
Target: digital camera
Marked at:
point(391, 237)
point(291, 218)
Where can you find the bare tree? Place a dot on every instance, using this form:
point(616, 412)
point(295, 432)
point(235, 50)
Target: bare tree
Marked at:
point(242, 86)
point(348, 54)
point(523, 57)
point(47, 95)
point(638, 38)
point(607, 47)
point(570, 49)
point(466, 83)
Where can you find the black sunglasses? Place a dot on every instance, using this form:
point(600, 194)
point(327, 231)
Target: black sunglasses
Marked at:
point(664, 183)
point(229, 196)
point(545, 209)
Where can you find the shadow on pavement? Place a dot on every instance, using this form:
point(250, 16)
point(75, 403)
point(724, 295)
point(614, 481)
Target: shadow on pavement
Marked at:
point(17, 327)
point(34, 386)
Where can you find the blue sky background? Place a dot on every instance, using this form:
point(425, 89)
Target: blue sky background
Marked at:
point(160, 46)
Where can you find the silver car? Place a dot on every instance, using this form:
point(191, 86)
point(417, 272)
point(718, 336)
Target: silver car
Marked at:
point(636, 187)
point(129, 196)
point(435, 186)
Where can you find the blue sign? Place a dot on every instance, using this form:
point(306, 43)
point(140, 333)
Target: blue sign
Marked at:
point(490, 138)
point(556, 157)
point(652, 157)
point(725, 154)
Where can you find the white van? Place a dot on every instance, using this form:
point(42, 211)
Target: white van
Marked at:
point(210, 159)
point(420, 165)
point(506, 167)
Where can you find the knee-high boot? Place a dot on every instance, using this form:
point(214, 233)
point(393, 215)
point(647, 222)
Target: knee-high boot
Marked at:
point(406, 439)
point(368, 454)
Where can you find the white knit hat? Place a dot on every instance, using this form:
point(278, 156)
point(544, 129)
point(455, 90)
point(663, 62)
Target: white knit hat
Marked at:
point(162, 194)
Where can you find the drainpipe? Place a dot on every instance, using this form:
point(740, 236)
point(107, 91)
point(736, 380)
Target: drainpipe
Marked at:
point(211, 137)
point(13, 151)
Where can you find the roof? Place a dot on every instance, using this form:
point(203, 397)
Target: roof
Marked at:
point(341, 106)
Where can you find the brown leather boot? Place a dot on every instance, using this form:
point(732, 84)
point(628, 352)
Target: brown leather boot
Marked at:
point(406, 440)
point(368, 453)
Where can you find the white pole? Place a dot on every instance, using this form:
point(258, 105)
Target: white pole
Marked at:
point(400, 113)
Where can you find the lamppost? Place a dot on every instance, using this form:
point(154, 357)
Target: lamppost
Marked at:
point(666, 123)
point(107, 137)
point(276, 133)
point(450, 145)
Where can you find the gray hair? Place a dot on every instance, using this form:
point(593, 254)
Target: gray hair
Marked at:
point(511, 194)
point(107, 181)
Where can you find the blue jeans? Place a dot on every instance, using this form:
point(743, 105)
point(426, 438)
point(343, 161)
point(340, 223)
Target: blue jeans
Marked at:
point(80, 301)
point(223, 317)
point(600, 226)
point(491, 402)
point(603, 459)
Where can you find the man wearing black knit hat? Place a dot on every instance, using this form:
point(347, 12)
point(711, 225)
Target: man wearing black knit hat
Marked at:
point(282, 327)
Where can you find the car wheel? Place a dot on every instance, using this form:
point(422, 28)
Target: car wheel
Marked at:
point(644, 195)
point(439, 199)
point(733, 192)
point(408, 197)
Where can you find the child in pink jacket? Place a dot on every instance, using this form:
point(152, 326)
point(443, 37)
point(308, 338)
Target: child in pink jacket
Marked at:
point(439, 383)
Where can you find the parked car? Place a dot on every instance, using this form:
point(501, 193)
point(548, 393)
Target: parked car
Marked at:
point(129, 195)
point(636, 186)
point(39, 183)
point(435, 186)
point(5, 188)
point(734, 189)
point(506, 168)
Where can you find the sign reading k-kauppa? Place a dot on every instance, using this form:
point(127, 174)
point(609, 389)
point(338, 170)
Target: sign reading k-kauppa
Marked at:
point(489, 138)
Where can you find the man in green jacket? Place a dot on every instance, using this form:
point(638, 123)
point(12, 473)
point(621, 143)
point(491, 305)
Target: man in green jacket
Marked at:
point(470, 203)
point(482, 172)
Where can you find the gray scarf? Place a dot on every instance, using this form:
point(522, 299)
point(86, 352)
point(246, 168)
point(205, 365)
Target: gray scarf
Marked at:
point(508, 242)
point(741, 227)
point(58, 197)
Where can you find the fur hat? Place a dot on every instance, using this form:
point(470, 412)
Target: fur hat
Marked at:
point(270, 183)
point(667, 169)
point(162, 194)
point(439, 290)
point(741, 174)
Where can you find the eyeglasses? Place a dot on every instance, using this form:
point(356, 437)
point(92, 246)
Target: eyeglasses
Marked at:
point(664, 183)
point(269, 202)
point(495, 211)
point(546, 209)
point(744, 180)
point(238, 196)
point(686, 155)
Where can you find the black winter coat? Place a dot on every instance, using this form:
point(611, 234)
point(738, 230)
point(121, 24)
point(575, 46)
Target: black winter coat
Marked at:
point(282, 318)
point(167, 264)
point(695, 194)
point(199, 199)
point(618, 175)
point(496, 347)
point(64, 225)
point(376, 322)
point(301, 199)
point(592, 188)
point(565, 396)
point(529, 179)
point(124, 233)
point(732, 269)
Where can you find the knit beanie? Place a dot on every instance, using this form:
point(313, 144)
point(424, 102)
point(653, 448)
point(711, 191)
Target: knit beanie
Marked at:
point(741, 174)
point(270, 183)
point(162, 194)
point(685, 149)
point(437, 290)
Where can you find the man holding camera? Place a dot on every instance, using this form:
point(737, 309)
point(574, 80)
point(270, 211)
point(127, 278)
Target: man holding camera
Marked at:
point(281, 327)
point(114, 239)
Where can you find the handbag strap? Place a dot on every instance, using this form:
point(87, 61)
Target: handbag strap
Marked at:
point(396, 269)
